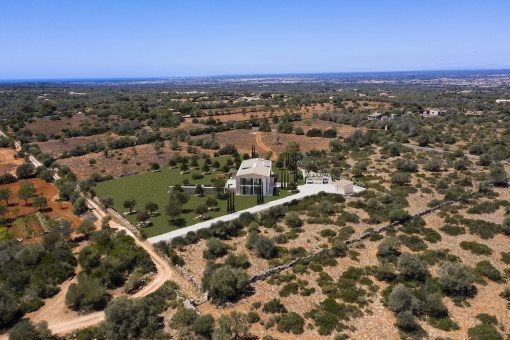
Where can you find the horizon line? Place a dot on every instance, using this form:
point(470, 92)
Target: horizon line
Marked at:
point(113, 79)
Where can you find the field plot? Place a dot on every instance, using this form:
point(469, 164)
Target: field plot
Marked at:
point(57, 147)
point(28, 227)
point(9, 163)
point(47, 126)
point(122, 161)
point(153, 186)
point(236, 114)
point(26, 215)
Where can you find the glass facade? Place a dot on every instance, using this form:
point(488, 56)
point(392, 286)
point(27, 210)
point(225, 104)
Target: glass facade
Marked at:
point(249, 186)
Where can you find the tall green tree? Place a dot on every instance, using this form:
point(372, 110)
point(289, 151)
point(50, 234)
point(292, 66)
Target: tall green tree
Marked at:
point(26, 191)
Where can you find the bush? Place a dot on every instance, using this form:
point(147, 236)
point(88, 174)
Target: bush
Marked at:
point(7, 178)
point(476, 248)
point(288, 289)
point(434, 306)
point(204, 325)
point(184, 317)
point(398, 214)
point(388, 247)
point(252, 317)
point(264, 247)
point(291, 323)
point(485, 268)
point(274, 306)
point(314, 132)
point(27, 330)
point(26, 170)
point(238, 261)
point(401, 300)
point(292, 219)
point(455, 279)
point(407, 322)
point(413, 242)
point(446, 324)
point(411, 267)
point(87, 294)
point(401, 178)
point(505, 257)
point(453, 230)
point(225, 284)
point(80, 206)
point(484, 331)
point(216, 248)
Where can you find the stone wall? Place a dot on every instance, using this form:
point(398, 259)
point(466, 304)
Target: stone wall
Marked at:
point(279, 269)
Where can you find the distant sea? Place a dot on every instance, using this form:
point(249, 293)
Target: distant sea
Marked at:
point(76, 80)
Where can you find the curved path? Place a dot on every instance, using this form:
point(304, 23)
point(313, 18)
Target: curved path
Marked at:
point(62, 320)
point(258, 139)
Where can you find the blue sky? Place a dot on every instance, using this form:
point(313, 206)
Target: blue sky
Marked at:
point(49, 39)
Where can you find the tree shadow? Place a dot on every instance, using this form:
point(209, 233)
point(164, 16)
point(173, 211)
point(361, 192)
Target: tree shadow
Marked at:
point(178, 222)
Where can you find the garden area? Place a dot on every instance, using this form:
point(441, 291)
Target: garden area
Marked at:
point(153, 187)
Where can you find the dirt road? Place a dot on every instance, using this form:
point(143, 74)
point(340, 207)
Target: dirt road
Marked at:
point(62, 320)
point(258, 139)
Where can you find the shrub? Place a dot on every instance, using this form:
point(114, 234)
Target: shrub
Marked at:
point(485, 268)
point(288, 289)
point(413, 242)
point(25, 170)
point(401, 300)
point(264, 247)
point(238, 261)
point(455, 279)
point(291, 323)
point(388, 247)
point(407, 322)
point(398, 214)
point(446, 324)
point(401, 178)
point(184, 317)
point(80, 206)
point(434, 306)
point(292, 220)
point(484, 331)
point(431, 235)
point(476, 248)
point(88, 293)
point(225, 284)
point(252, 317)
point(505, 257)
point(411, 267)
point(26, 329)
point(453, 230)
point(204, 325)
point(274, 306)
point(215, 248)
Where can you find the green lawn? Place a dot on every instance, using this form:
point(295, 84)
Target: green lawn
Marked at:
point(153, 186)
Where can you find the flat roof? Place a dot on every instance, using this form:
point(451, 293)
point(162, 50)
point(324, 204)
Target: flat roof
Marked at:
point(255, 166)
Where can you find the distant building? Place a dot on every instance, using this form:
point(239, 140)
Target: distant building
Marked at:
point(502, 101)
point(251, 173)
point(432, 112)
point(344, 187)
point(376, 116)
point(436, 112)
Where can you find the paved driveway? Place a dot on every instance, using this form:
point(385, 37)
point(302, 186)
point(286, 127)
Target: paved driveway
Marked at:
point(304, 191)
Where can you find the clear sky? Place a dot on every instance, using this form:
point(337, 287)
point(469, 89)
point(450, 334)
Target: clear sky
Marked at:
point(50, 39)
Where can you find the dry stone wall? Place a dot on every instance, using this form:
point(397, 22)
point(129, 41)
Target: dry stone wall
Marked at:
point(279, 269)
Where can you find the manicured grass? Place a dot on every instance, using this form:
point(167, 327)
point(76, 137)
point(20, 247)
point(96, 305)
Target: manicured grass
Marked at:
point(153, 186)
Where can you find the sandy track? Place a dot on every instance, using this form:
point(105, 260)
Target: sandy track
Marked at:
point(62, 320)
point(258, 139)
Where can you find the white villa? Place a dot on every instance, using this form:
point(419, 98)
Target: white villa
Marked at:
point(250, 174)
